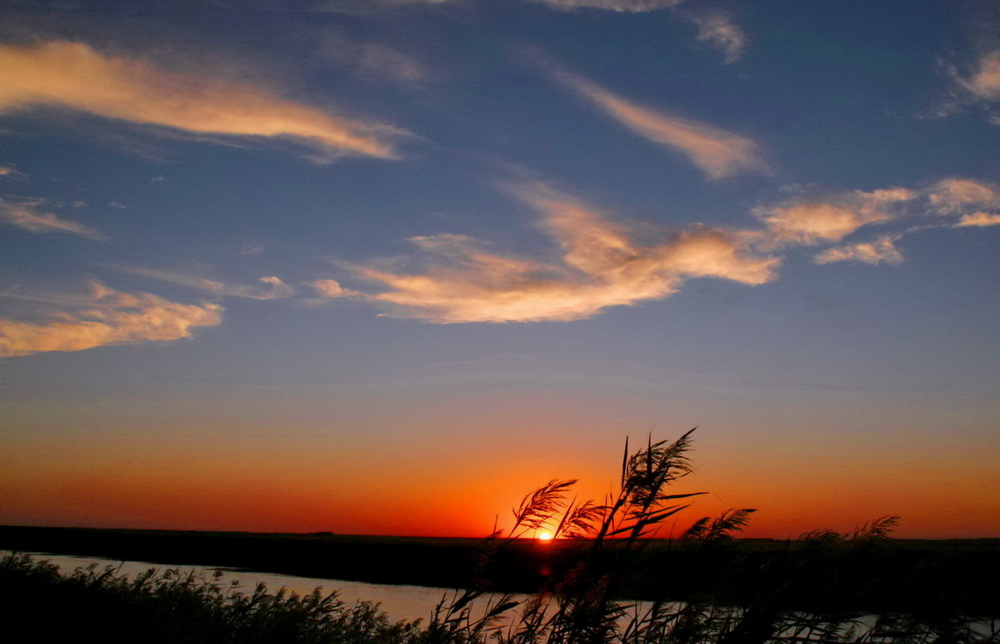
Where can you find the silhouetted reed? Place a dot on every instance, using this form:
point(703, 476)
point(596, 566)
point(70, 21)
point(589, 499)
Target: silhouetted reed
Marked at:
point(176, 607)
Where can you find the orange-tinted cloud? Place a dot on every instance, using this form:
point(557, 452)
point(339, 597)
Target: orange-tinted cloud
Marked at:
point(984, 83)
point(979, 219)
point(954, 196)
point(106, 317)
point(74, 76)
point(717, 152)
point(332, 289)
point(978, 86)
point(881, 250)
point(600, 267)
point(26, 215)
point(832, 219)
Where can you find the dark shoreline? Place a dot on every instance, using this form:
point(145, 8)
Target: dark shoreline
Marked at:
point(917, 576)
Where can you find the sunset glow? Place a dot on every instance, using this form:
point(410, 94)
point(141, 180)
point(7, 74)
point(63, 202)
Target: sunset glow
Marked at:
point(385, 266)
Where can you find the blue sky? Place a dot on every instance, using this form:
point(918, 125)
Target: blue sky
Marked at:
point(508, 233)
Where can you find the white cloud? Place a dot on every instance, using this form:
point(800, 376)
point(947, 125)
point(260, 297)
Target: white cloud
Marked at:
point(718, 30)
point(27, 215)
point(717, 152)
point(376, 61)
point(882, 250)
point(74, 76)
point(106, 317)
point(381, 60)
point(600, 267)
point(372, 60)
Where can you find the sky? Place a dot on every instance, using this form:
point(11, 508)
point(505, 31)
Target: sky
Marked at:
point(385, 266)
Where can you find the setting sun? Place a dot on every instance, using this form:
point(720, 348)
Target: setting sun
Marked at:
point(544, 536)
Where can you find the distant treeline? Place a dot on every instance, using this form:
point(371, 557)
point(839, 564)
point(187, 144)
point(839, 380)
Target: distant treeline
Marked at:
point(819, 574)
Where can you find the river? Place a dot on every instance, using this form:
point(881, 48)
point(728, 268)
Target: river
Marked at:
point(399, 602)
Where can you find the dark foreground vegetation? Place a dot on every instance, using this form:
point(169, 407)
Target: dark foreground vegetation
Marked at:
point(706, 587)
point(832, 572)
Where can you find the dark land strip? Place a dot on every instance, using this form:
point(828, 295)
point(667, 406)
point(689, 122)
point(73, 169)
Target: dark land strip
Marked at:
point(947, 577)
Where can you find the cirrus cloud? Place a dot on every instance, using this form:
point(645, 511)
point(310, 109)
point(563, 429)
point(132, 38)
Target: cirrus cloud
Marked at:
point(106, 317)
point(27, 215)
point(269, 287)
point(984, 82)
point(457, 278)
point(953, 196)
point(976, 85)
point(882, 250)
point(979, 219)
point(715, 151)
point(833, 218)
point(600, 266)
point(720, 31)
point(74, 76)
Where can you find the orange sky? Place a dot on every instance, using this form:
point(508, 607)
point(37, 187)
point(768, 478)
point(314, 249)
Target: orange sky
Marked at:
point(189, 481)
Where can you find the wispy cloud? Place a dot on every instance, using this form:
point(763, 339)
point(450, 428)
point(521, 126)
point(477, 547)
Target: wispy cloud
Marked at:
point(984, 82)
point(955, 196)
point(28, 215)
point(947, 203)
point(719, 30)
point(716, 28)
point(456, 278)
point(978, 85)
point(74, 76)
point(268, 287)
point(881, 250)
point(106, 317)
point(717, 152)
point(373, 60)
point(332, 289)
point(979, 219)
point(830, 220)
point(621, 6)
point(600, 267)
